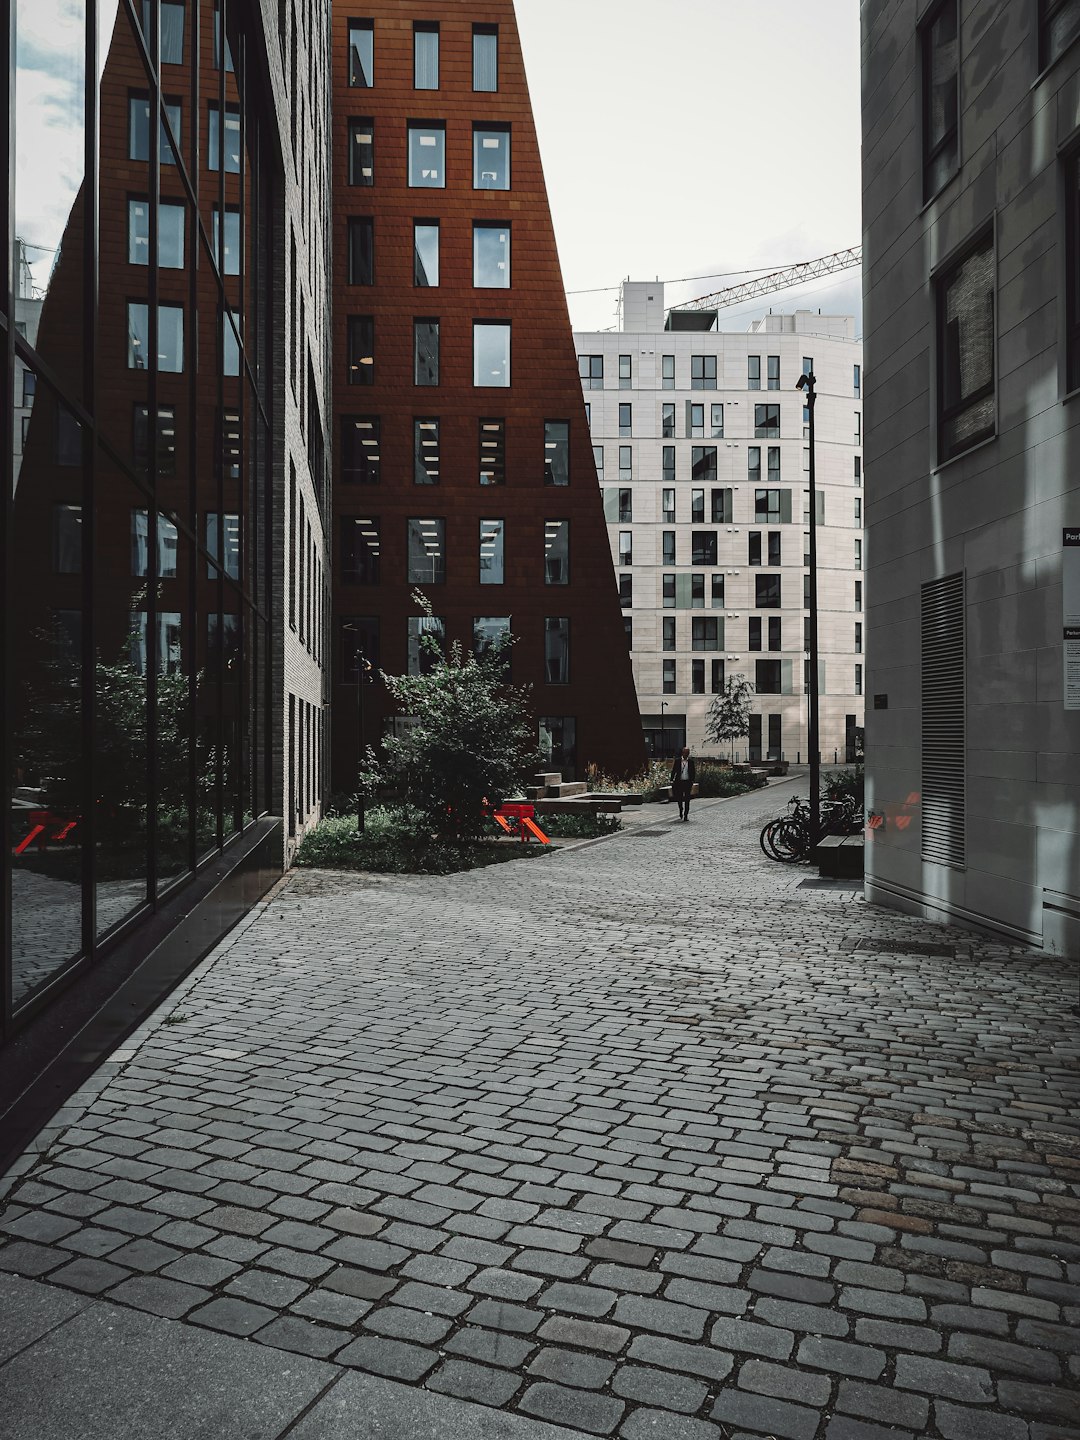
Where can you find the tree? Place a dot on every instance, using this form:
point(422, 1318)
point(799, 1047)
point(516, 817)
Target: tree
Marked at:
point(729, 713)
point(471, 742)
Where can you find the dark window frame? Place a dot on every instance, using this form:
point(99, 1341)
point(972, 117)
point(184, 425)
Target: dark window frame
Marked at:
point(947, 412)
point(931, 152)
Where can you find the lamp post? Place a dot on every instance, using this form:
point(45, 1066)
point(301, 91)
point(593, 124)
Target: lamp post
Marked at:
point(663, 731)
point(808, 383)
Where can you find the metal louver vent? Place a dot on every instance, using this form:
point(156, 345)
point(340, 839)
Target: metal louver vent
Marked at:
point(943, 721)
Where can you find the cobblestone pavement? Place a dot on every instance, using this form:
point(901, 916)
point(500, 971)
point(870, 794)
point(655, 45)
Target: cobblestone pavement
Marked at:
point(642, 1139)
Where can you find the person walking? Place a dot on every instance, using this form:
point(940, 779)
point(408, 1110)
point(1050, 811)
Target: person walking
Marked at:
point(683, 775)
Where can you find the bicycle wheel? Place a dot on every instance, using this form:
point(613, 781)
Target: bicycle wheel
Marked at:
point(790, 841)
point(763, 839)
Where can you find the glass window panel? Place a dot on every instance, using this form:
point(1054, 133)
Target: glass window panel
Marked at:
point(774, 372)
point(427, 551)
point(361, 449)
point(556, 552)
point(425, 56)
point(491, 256)
point(426, 641)
point(491, 354)
point(491, 157)
point(425, 253)
point(966, 351)
point(485, 57)
point(361, 152)
point(361, 54)
point(359, 553)
point(667, 507)
point(667, 366)
point(492, 452)
point(766, 422)
point(427, 156)
point(166, 439)
point(172, 30)
point(626, 547)
point(361, 241)
point(556, 452)
point(170, 234)
point(225, 146)
point(557, 650)
point(716, 423)
point(359, 643)
point(230, 345)
point(491, 634)
point(426, 457)
point(229, 556)
point(361, 350)
point(140, 545)
point(170, 337)
point(426, 352)
point(227, 247)
point(492, 552)
point(753, 372)
point(139, 129)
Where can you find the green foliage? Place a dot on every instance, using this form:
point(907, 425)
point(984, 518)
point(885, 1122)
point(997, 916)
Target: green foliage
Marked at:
point(729, 714)
point(584, 825)
point(471, 743)
point(838, 783)
point(394, 843)
point(715, 780)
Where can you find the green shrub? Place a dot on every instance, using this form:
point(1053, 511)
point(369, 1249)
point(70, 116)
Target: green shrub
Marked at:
point(584, 826)
point(838, 783)
point(715, 780)
point(395, 843)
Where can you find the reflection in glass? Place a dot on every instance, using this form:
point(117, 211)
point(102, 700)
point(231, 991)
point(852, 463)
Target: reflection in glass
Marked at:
point(491, 635)
point(491, 157)
point(426, 452)
point(361, 250)
point(492, 452)
point(558, 743)
point(360, 546)
point(426, 253)
point(426, 352)
point(230, 559)
point(427, 156)
point(361, 152)
point(427, 552)
point(166, 439)
point(228, 256)
point(427, 642)
point(170, 337)
point(139, 129)
point(556, 452)
point(361, 54)
point(225, 146)
point(230, 345)
point(557, 552)
point(360, 341)
point(172, 30)
point(170, 234)
point(492, 552)
point(359, 637)
point(485, 57)
point(557, 650)
point(140, 545)
point(491, 256)
point(361, 451)
point(491, 354)
point(67, 539)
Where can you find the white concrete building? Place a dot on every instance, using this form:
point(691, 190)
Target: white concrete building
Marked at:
point(702, 451)
point(971, 179)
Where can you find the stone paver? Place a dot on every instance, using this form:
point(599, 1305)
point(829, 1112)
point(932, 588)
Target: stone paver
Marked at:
point(638, 1139)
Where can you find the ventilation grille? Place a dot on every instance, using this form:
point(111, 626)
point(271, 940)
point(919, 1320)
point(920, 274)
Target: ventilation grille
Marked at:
point(943, 737)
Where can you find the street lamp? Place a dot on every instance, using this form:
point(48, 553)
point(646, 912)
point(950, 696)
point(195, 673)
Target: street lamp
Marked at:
point(808, 383)
point(663, 730)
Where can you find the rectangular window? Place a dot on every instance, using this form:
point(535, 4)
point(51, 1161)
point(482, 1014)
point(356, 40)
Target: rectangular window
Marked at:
point(360, 341)
point(716, 422)
point(772, 507)
point(668, 582)
point(426, 351)
point(858, 554)
point(557, 650)
point(858, 637)
point(598, 461)
point(667, 507)
point(704, 633)
point(492, 552)
point(172, 30)
point(766, 422)
point(721, 507)
point(668, 463)
point(774, 464)
point(702, 372)
point(359, 643)
point(227, 246)
point(858, 428)
point(67, 539)
point(425, 55)
point(753, 463)
point(491, 634)
point(427, 552)
point(667, 371)
point(492, 452)
point(170, 338)
point(697, 591)
point(858, 469)
point(668, 630)
point(626, 592)
point(857, 381)
point(361, 54)
point(427, 155)
point(426, 638)
point(703, 464)
point(223, 545)
point(667, 422)
point(223, 150)
point(491, 256)
point(695, 421)
point(858, 679)
point(626, 507)
point(359, 554)
point(425, 254)
point(230, 344)
point(491, 354)
point(139, 129)
point(716, 591)
point(668, 681)
point(703, 547)
point(140, 544)
point(697, 677)
point(808, 365)
point(858, 509)
point(940, 96)
point(626, 374)
point(361, 152)
point(858, 594)
point(767, 592)
point(591, 371)
point(753, 372)
point(361, 236)
point(166, 439)
point(965, 294)
point(717, 677)
point(556, 452)
point(556, 552)
point(753, 633)
point(426, 451)
point(667, 544)
point(753, 547)
point(491, 157)
point(626, 419)
point(768, 675)
point(485, 58)
point(775, 633)
point(170, 234)
point(773, 379)
point(361, 452)
point(626, 547)
point(626, 463)
point(774, 547)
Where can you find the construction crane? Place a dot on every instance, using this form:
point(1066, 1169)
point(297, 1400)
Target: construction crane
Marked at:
point(777, 280)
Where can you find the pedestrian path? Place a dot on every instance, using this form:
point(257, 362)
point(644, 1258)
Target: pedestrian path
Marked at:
point(642, 1139)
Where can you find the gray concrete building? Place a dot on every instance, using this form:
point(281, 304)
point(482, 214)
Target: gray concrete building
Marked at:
point(971, 197)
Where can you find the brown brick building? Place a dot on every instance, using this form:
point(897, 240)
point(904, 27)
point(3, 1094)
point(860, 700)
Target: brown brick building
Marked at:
point(462, 463)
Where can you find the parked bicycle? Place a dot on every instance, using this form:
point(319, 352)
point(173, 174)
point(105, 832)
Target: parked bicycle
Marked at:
point(787, 838)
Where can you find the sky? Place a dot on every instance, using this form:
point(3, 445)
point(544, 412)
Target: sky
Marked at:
point(686, 138)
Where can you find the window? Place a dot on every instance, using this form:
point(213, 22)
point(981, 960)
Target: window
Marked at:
point(966, 410)
point(557, 650)
point(940, 97)
point(139, 129)
point(703, 464)
point(667, 372)
point(717, 677)
point(667, 545)
point(772, 507)
point(426, 451)
point(858, 594)
point(362, 152)
point(702, 372)
point(1059, 26)
point(427, 552)
point(361, 235)
point(667, 422)
point(858, 469)
point(556, 552)
point(858, 679)
point(626, 419)
point(753, 463)
point(359, 640)
point(425, 352)
point(591, 370)
point(230, 344)
point(808, 365)
point(69, 438)
point(858, 428)
point(716, 591)
point(626, 592)
point(767, 592)
point(858, 554)
point(773, 380)
point(753, 633)
point(223, 545)
point(491, 256)
point(360, 342)
point(626, 547)
point(858, 637)
point(485, 57)
point(359, 553)
point(361, 54)
point(626, 374)
point(67, 539)
point(490, 637)
point(491, 157)
point(227, 246)
point(668, 680)
point(668, 462)
point(703, 547)
point(806, 460)
point(695, 421)
point(224, 150)
point(170, 338)
point(425, 55)
point(704, 633)
point(766, 422)
point(170, 234)
point(426, 636)
point(806, 592)
point(556, 452)
point(29, 389)
point(140, 543)
point(768, 674)
point(361, 452)
point(753, 546)
point(427, 155)
point(172, 30)
point(668, 631)
point(166, 439)
point(721, 507)
point(425, 254)
point(774, 465)
point(669, 591)
point(774, 547)
point(753, 372)
point(229, 66)
point(492, 452)
point(491, 354)
point(775, 633)
point(667, 507)
point(588, 414)
point(697, 507)
point(492, 552)
point(598, 460)
point(857, 381)
point(716, 422)
point(697, 677)
point(858, 509)
point(626, 507)
point(806, 422)
point(626, 463)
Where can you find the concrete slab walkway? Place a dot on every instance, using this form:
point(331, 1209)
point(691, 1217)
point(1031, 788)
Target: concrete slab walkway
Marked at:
point(644, 1139)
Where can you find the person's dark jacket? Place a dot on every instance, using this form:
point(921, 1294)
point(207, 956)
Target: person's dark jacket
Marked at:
point(676, 770)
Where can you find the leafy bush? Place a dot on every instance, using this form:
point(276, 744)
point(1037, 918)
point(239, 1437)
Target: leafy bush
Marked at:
point(583, 826)
point(839, 783)
point(394, 843)
point(717, 780)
